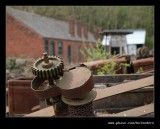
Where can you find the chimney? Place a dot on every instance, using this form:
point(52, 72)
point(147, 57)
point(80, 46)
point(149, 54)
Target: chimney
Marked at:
point(96, 31)
point(99, 30)
point(85, 30)
point(71, 27)
point(79, 28)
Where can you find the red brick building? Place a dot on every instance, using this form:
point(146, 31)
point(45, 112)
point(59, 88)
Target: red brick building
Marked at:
point(30, 35)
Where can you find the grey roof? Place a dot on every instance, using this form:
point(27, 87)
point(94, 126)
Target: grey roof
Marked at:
point(47, 27)
point(116, 32)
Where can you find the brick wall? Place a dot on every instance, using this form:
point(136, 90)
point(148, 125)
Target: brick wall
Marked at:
point(23, 41)
point(20, 40)
point(74, 49)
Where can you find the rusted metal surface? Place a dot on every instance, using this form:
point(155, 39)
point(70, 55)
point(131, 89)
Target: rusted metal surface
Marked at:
point(121, 102)
point(19, 85)
point(76, 82)
point(146, 64)
point(60, 108)
point(119, 78)
point(102, 93)
point(112, 104)
point(82, 110)
point(135, 112)
point(93, 64)
point(21, 98)
point(148, 115)
point(142, 52)
point(42, 93)
point(76, 85)
point(87, 98)
point(148, 72)
point(46, 112)
point(48, 67)
point(68, 83)
point(7, 96)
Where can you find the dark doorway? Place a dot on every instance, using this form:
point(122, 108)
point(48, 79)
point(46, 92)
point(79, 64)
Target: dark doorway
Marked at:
point(69, 54)
point(139, 45)
point(115, 50)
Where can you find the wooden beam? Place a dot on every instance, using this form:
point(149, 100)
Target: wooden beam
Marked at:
point(135, 112)
point(121, 88)
point(46, 112)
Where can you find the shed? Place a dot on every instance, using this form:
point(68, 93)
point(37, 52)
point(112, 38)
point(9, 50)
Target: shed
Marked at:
point(123, 41)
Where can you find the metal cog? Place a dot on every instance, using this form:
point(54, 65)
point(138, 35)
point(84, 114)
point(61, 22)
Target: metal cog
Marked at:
point(48, 67)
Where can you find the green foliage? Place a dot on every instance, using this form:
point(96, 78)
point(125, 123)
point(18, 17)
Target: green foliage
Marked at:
point(111, 68)
point(150, 41)
point(95, 53)
point(140, 70)
point(126, 64)
point(108, 68)
point(11, 64)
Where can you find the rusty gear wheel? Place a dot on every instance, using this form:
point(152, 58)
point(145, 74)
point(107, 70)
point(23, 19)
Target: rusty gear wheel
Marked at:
point(48, 67)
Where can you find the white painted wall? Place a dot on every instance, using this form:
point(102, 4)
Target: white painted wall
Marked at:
point(137, 37)
point(132, 49)
point(125, 50)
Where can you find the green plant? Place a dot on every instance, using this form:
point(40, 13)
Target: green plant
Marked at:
point(140, 70)
point(99, 53)
point(111, 68)
point(95, 53)
point(108, 68)
point(126, 64)
point(11, 64)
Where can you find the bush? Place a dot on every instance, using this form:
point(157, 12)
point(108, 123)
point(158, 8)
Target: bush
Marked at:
point(95, 53)
point(11, 64)
point(112, 68)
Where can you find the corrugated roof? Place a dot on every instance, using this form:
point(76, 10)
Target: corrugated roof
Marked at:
point(47, 27)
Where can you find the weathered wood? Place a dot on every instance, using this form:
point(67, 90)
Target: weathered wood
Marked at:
point(119, 78)
point(102, 93)
point(46, 112)
point(135, 112)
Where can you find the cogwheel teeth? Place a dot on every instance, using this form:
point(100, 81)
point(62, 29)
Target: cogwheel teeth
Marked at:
point(53, 67)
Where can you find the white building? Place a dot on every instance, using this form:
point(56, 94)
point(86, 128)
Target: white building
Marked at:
point(123, 41)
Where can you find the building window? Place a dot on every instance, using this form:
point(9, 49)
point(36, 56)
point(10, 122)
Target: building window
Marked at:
point(69, 54)
point(73, 54)
point(79, 53)
point(60, 48)
point(52, 49)
point(46, 45)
